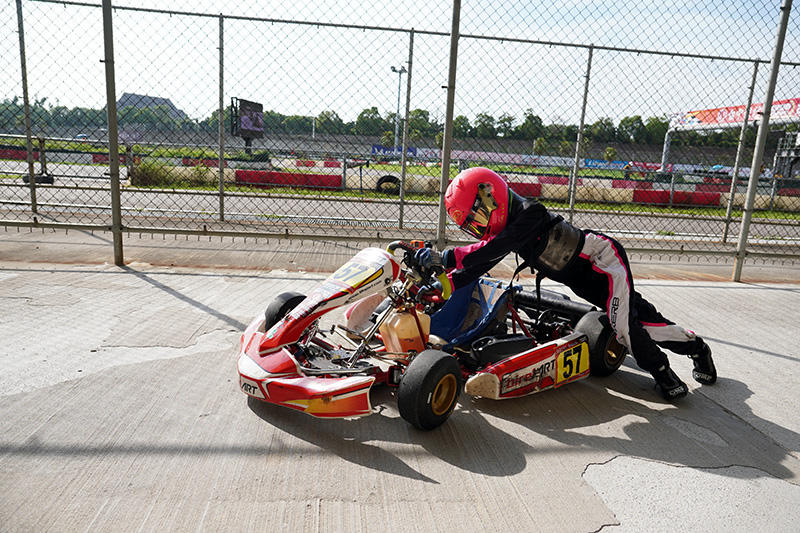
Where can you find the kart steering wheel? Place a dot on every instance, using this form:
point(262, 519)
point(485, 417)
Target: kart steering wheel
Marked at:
point(430, 274)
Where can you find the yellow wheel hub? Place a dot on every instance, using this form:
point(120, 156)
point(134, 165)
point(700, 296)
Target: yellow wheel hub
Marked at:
point(444, 395)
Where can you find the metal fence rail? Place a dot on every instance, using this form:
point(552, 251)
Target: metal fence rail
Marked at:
point(600, 125)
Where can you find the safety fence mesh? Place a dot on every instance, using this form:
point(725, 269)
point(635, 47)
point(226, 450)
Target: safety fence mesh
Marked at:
point(333, 116)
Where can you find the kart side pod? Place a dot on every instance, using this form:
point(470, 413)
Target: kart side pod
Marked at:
point(543, 367)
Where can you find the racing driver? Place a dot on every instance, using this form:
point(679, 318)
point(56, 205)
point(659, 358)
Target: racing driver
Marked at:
point(593, 265)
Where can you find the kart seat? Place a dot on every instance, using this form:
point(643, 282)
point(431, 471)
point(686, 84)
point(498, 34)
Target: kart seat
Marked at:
point(471, 310)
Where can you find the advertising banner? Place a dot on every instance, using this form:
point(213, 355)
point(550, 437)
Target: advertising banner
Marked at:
point(781, 109)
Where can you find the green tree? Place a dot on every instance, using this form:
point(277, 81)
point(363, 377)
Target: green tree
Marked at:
point(632, 130)
point(657, 128)
point(297, 125)
point(11, 114)
point(387, 139)
point(273, 122)
point(485, 126)
point(610, 154)
point(461, 127)
point(541, 146)
point(602, 131)
point(554, 132)
point(419, 120)
point(570, 133)
point(369, 122)
point(505, 126)
point(59, 115)
point(531, 128)
point(585, 147)
point(212, 122)
point(415, 136)
point(329, 122)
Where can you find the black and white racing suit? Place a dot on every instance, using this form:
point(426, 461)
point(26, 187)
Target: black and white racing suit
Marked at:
point(593, 265)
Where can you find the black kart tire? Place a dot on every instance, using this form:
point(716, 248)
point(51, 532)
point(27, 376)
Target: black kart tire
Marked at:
point(281, 306)
point(606, 354)
point(429, 390)
point(388, 185)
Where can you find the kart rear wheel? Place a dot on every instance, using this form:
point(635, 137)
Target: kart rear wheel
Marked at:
point(281, 306)
point(429, 389)
point(606, 354)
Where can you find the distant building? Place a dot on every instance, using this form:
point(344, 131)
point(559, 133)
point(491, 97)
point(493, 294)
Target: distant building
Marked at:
point(142, 101)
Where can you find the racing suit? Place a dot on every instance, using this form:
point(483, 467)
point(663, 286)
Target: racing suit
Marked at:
point(593, 265)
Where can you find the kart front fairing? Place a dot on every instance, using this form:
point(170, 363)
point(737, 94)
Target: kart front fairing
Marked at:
point(370, 271)
point(278, 378)
point(268, 367)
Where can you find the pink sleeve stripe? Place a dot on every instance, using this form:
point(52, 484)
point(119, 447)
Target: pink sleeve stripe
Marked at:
point(462, 251)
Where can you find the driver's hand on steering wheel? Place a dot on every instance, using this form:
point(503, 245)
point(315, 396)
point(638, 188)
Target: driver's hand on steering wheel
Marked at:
point(428, 258)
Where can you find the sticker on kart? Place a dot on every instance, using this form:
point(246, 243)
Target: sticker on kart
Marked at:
point(572, 363)
point(361, 270)
point(538, 376)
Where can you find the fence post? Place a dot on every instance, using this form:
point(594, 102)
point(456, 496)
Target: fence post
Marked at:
point(671, 188)
point(573, 179)
point(665, 149)
point(448, 124)
point(761, 140)
point(344, 172)
point(221, 123)
point(42, 158)
point(113, 140)
point(27, 106)
point(739, 150)
point(404, 157)
point(129, 163)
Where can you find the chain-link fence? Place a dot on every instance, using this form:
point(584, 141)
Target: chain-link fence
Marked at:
point(327, 119)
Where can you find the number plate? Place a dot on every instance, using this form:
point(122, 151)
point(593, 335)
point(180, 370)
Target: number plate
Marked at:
point(572, 363)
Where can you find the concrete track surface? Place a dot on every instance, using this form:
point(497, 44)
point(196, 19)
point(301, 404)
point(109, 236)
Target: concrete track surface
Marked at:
point(120, 411)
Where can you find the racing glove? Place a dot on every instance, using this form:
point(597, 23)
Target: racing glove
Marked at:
point(428, 258)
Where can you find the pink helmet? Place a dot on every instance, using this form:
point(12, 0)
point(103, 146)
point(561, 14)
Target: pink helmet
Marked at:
point(478, 201)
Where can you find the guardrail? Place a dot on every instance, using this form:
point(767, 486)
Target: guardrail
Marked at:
point(336, 199)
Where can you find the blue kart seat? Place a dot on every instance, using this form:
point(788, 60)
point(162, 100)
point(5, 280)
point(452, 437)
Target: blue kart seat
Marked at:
point(470, 310)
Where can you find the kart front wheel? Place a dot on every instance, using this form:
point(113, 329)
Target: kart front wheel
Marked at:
point(281, 306)
point(606, 354)
point(429, 389)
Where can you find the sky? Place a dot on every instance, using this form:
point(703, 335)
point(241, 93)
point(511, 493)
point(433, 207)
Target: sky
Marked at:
point(304, 68)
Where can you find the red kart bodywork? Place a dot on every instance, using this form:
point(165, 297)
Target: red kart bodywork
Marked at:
point(271, 367)
point(276, 377)
point(268, 369)
point(546, 366)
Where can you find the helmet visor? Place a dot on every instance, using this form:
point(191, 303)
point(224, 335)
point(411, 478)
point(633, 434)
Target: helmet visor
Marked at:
point(476, 223)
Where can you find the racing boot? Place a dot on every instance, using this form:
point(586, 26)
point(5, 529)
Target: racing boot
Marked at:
point(704, 371)
point(670, 384)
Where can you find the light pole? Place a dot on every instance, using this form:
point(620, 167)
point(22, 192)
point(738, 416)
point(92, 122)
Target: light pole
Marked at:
point(400, 71)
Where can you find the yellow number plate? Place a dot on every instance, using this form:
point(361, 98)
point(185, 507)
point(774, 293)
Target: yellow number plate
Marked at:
point(572, 363)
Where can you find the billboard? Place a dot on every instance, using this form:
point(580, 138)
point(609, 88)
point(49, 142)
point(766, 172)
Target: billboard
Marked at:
point(248, 119)
point(726, 116)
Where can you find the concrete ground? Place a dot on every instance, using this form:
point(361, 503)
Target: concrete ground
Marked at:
point(120, 410)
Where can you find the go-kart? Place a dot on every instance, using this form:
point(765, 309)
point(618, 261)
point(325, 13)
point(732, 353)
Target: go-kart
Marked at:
point(400, 330)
